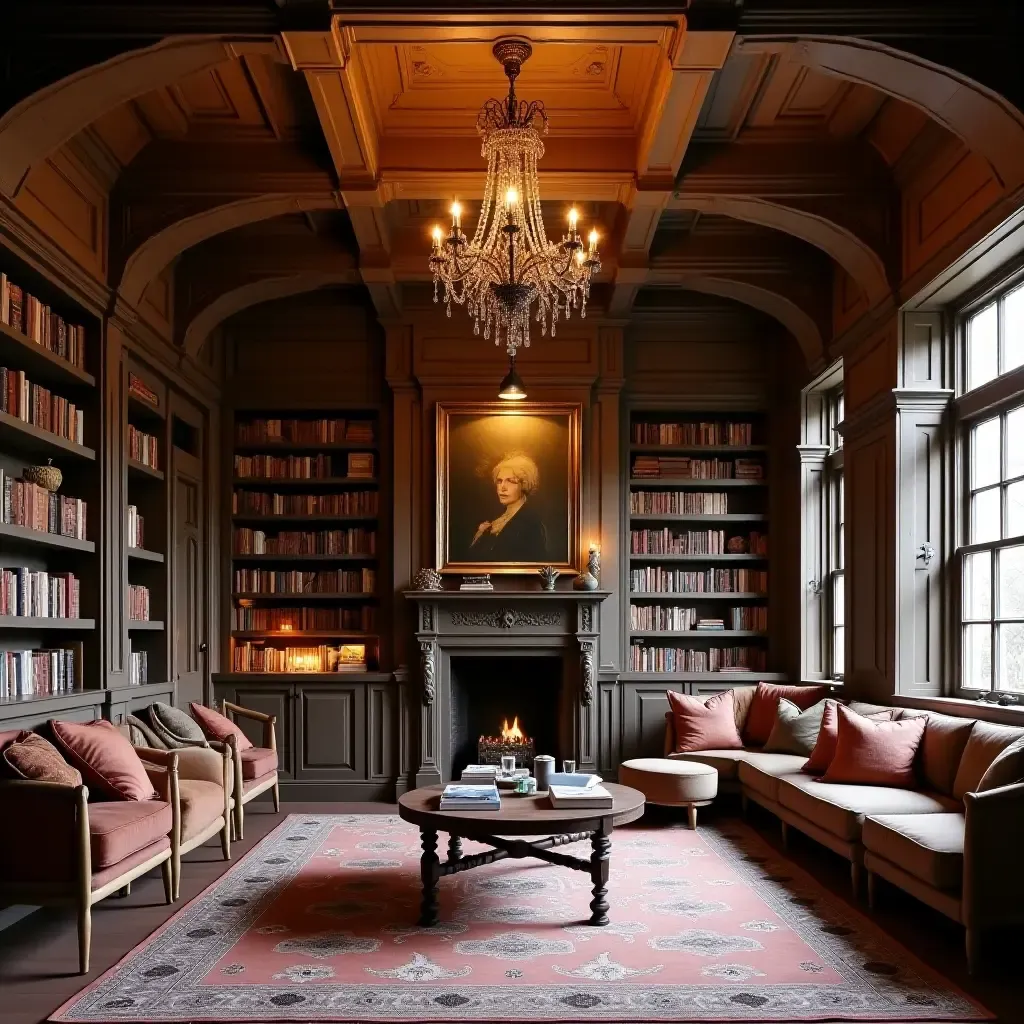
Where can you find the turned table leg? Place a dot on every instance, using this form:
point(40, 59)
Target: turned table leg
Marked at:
point(429, 874)
point(454, 848)
point(601, 846)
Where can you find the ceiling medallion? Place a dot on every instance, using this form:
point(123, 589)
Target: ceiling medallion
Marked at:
point(509, 265)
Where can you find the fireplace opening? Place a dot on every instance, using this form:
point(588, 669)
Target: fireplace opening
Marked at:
point(489, 693)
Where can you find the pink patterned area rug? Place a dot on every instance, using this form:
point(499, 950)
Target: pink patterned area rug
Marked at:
point(318, 923)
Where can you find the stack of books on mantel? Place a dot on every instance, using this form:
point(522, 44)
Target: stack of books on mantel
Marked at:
point(477, 582)
point(459, 797)
point(578, 791)
point(709, 625)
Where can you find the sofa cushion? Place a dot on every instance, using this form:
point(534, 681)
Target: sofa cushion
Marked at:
point(174, 727)
point(258, 783)
point(32, 757)
point(726, 762)
point(825, 746)
point(106, 759)
point(984, 744)
point(761, 717)
point(928, 846)
point(118, 828)
point(217, 726)
point(201, 804)
point(141, 735)
point(257, 761)
point(875, 753)
point(760, 771)
point(841, 809)
point(941, 750)
point(703, 724)
point(863, 707)
point(795, 731)
point(1006, 769)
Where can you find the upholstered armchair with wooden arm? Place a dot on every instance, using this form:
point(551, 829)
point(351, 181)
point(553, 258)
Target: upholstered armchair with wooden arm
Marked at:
point(59, 849)
point(206, 781)
point(255, 767)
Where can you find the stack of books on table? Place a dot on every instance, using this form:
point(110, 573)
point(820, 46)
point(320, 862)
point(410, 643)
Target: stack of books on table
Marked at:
point(578, 791)
point(480, 773)
point(458, 796)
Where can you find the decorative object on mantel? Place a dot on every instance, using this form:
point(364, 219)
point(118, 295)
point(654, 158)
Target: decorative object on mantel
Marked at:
point(509, 264)
point(548, 576)
point(584, 581)
point(594, 562)
point(48, 477)
point(427, 579)
point(481, 582)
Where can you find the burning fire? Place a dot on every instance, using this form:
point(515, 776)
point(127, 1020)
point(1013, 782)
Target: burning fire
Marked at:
point(513, 735)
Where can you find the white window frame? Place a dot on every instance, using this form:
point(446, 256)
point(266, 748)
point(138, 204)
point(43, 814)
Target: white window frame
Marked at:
point(834, 555)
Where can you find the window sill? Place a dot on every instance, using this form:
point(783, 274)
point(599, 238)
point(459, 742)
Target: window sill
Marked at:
point(959, 706)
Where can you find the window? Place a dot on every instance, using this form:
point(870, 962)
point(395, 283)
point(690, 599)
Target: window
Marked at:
point(991, 521)
point(835, 559)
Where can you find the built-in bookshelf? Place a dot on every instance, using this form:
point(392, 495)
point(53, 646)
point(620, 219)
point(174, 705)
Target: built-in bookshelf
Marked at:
point(305, 517)
point(147, 454)
point(697, 546)
point(49, 416)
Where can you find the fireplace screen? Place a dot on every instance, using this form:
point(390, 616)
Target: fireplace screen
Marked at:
point(504, 705)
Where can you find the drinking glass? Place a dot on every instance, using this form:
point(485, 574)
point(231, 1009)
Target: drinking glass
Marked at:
point(569, 767)
point(508, 764)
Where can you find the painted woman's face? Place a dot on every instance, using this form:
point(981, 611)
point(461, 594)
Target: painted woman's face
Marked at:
point(509, 488)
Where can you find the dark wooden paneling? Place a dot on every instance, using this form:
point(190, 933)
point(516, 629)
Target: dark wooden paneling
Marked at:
point(330, 731)
point(270, 700)
point(643, 718)
point(380, 731)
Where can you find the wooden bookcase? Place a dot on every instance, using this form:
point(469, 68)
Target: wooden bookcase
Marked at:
point(23, 445)
point(146, 404)
point(677, 523)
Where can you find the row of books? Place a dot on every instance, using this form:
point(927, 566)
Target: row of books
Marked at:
point(682, 467)
point(248, 657)
point(658, 579)
point(33, 318)
point(38, 673)
point(362, 618)
point(138, 603)
point(347, 503)
point(333, 581)
point(295, 431)
point(354, 541)
point(749, 617)
point(675, 617)
point(695, 542)
point(692, 433)
point(143, 447)
point(32, 403)
point(29, 505)
point(676, 503)
point(138, 668)
point(304, 467)
point(646, 658)
point(136, 528)
point(40, 594)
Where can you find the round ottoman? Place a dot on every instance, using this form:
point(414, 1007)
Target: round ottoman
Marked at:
point(686, 784)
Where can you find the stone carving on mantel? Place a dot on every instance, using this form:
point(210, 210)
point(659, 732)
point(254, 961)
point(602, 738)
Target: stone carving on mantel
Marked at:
point(427, 618)
point(587, 618)
point(587, 648)
point(505, 618)
point(427, 667)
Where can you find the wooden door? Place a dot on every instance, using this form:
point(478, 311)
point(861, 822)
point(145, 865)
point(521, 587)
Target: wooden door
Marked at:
point(188, 560)
point(331, 731)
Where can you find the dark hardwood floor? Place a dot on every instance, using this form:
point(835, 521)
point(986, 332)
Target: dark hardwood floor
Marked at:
point(39, 955)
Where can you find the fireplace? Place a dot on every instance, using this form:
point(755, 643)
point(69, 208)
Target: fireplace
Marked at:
point(487, 657)
point(488, 692)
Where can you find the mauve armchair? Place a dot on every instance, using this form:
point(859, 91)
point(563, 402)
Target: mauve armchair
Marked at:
point(255, 767)
point(68, 851)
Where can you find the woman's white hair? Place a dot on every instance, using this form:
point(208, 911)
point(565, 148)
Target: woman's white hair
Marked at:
point(524, 469)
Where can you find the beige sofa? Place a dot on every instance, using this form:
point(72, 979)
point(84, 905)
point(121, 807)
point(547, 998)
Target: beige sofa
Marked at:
point(952, 847)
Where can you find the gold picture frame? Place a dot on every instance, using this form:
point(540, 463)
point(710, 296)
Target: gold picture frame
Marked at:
point(509, 491)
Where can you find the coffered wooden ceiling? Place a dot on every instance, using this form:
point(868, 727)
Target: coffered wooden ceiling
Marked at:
point(790, 174)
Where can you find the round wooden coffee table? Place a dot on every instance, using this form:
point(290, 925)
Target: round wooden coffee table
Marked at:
point(518, 816)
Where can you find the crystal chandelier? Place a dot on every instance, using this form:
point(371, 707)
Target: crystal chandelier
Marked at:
point(509, 264)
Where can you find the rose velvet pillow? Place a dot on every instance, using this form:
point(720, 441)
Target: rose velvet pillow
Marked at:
point(875, 753)
point(765, 708)
point(105, 757)
point(704, 725)
point(825, 747)
point(217, 726)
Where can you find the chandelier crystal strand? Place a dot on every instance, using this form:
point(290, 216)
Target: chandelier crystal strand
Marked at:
point(509, 264)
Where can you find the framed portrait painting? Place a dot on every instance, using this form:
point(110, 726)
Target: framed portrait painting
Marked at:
point(508, 486)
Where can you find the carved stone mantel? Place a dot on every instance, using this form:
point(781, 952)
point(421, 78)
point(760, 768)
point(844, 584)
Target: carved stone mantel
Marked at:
point(565, 623)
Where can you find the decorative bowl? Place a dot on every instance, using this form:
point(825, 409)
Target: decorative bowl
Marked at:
point(48, 476)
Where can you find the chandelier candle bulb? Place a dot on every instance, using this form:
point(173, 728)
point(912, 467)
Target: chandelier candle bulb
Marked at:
point(456, 215)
